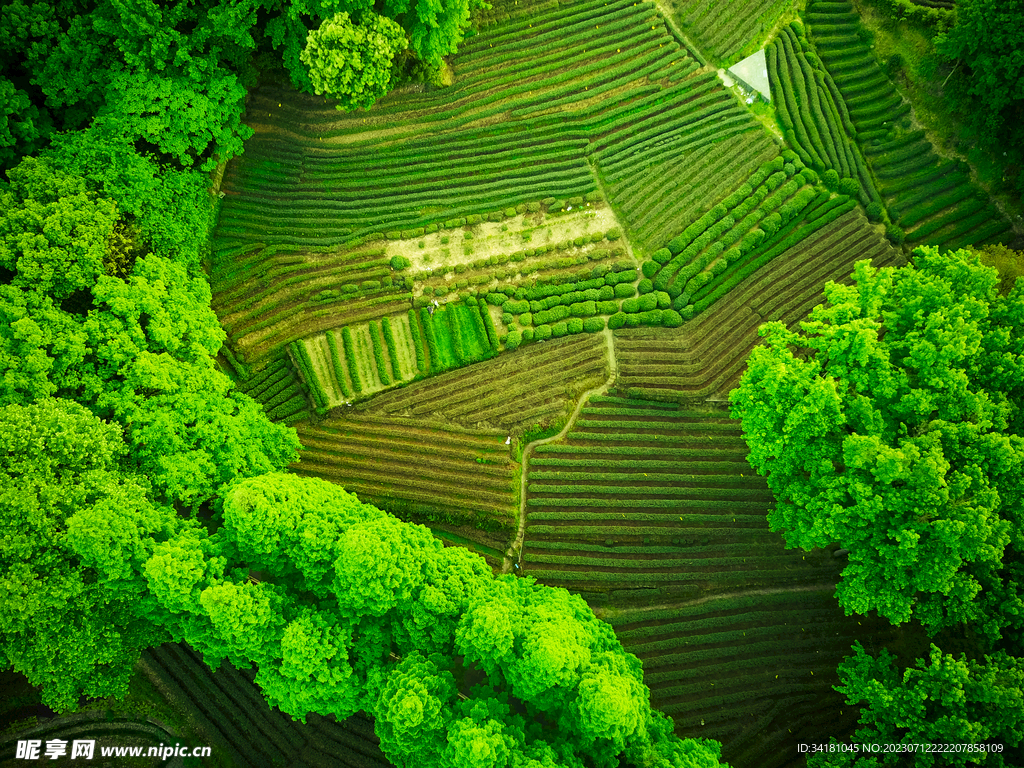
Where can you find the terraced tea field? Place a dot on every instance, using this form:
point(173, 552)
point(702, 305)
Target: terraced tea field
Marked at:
point(705, 358)
point(651, 512)
point(583, 233)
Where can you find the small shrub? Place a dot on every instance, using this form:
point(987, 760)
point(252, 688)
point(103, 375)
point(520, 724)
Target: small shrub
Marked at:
point(510, 212)
point(473, 218)
point(830, 179)
point(513, 340)
point(370, 285)
point(533, 207)
point(528, 334)
point(849, 187)
point(875, 211)
point(526, 318)
point(671, 319)
point(399, 263)
point(645, 286)
point(617, 320)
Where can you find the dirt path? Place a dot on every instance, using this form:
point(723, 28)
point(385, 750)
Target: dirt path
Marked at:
point(514, 551)
point(602, 612)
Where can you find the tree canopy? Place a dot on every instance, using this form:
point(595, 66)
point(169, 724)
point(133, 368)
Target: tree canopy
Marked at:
point(77, 530)
point(938, 700)
point(892, 426)
point(353, 63)
point(987, 42)
point(455, 665)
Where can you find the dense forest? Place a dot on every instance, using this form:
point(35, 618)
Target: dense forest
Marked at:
point(165, 424)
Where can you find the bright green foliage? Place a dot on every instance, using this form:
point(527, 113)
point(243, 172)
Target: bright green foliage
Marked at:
point(186, 117)
point(140, 350)
point(353, 63)
point(314, 646)
point(405, 626)
point(940, 700)
point(435, 29)
point(289, 529)
point(54, 232)
point(900, 437)
point(76, 533)
point(414, 708)
point(987, 44)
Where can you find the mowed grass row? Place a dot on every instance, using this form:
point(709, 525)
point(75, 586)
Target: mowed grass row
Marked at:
point(705, 357)
point(230, 709)
point(722, 30)
point(646, 495)
point(408, 466)
point(533, 385)
point(932, 200)
point(751, 668)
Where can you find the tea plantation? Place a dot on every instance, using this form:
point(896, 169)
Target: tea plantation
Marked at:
point(509, 302)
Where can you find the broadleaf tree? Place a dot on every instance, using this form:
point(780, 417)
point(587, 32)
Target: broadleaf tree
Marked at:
point(891, 425)
point(350, 62)
point(337, 620)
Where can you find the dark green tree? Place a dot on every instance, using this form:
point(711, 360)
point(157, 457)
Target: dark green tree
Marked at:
point(986, 49)
point(939, 700)
point(892, 426)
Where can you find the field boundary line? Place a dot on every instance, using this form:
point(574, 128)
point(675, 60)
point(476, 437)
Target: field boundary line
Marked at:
point(514, 550)
point(600, 612)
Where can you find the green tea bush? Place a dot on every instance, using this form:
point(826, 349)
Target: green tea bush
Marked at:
point(661, 256)
point(624, 290)
point(830, 179)
point(607, 307)
point(370, 285)
point(671, 319)
point(645, 286)
point(497, 299)
point(593, 324)
point(875, 211)
point(398, 263)
point(542, 332)
point(849, 187)
point(526, 318)
point(528, 334)
point(513, 340)
point(583, 309)
point(559, 329)
point(664, 301)
point(574, 325)
point(617, 320)
point(647, 302)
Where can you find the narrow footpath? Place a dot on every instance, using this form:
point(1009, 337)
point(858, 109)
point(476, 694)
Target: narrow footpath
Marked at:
point(514, 551)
